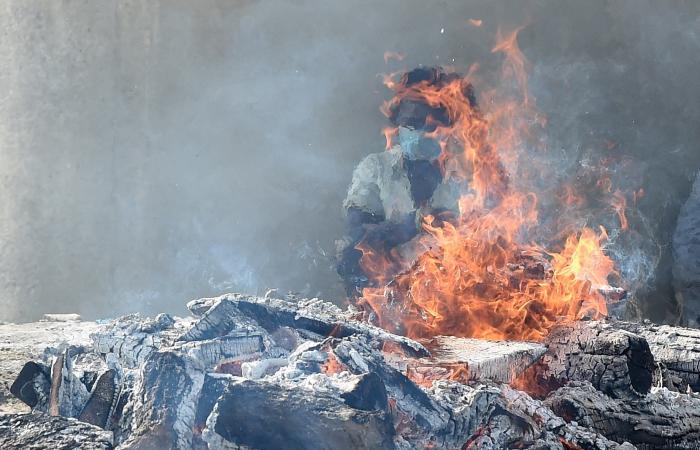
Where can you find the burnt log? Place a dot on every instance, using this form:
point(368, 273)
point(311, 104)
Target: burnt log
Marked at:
point(133, 338)
point(220, 318)
point(493, 417)
point(209, 353)
point(660, 420)
point(455, 415)
point(68, 394)
point(316, 316)
point(471, 359)
point(40, 431)
point(359, 357)
point(164, 403)
point(103, 398)
point(268, 416)
point(165, 400)
point(34, 341)
point(614, 361)
point(56, 380)
point(213, 387)
point(200, 306)
point(676, 351)
point(33, 385)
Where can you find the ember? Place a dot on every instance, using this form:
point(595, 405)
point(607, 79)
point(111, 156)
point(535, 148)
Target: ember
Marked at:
point(158, 382)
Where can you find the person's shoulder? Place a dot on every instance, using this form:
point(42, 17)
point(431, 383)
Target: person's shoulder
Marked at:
point(380, 159)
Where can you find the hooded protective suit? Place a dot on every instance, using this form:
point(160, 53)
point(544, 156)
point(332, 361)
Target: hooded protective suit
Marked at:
point(390, 193)
point(393, 190)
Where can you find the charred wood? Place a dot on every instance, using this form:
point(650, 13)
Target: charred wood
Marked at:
point(121, 417)
point(164, 403)
point(132, 338)
point(676, 351)
point(102, 399)
point(454, 415)
point(614, 361)
point(316, 316)
point(213, 387)
point(248, 410)
point(220, 318)
point(39, 432)
point(357, 355)
point(660, 420)
point(472, 359)
point(201, 305)
point(310, 375)
point(68, 394)
point(56, 380)
point(494, 417)
point(165, 400)
point(209, 353)
point(33, 385)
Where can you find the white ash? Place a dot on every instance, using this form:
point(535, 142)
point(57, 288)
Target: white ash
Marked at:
point(324, 364)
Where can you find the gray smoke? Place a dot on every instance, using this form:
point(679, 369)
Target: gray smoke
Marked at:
point(153, 152)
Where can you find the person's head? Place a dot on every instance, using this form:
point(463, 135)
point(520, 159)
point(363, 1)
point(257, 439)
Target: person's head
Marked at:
point(414, 116)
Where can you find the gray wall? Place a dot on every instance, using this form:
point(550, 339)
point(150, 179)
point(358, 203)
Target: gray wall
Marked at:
point(156, 151)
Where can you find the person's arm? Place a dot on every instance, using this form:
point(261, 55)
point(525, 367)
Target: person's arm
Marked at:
point(363, 207)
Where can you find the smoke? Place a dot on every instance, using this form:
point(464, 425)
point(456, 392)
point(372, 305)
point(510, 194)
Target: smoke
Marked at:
point(153, 152)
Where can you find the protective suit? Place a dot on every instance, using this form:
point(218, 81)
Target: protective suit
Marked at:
point(686, 258)
point(391, 191)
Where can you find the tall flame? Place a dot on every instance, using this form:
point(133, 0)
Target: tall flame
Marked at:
point(479, 275)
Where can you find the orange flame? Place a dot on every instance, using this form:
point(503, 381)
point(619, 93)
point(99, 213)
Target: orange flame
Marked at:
point(480, 277)
point(619, 204)
point(332, 365)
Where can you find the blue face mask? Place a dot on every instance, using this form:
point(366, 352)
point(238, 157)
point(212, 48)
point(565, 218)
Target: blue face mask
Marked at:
point(415, 146)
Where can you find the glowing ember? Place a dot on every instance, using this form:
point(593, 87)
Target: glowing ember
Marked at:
point(332, 365)
point(478, 274)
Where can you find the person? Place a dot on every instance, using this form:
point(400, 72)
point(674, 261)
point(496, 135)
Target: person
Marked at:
point(686, 259)
point(392, 191)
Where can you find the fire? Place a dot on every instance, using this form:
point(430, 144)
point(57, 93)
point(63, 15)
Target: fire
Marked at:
point(479, 274)
point(332, 365)
point(427, 376)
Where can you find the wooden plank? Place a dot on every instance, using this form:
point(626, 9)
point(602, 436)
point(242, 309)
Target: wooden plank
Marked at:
point(467, 359)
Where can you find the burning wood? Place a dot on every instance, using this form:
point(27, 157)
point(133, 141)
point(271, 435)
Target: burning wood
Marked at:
point(676, 351)
point(616, 362)
point(315, 316)
point(336, 391)
point(471, 359)
point(337, 418)
point(461, 288)
point(471, 268)
point(659, 420)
